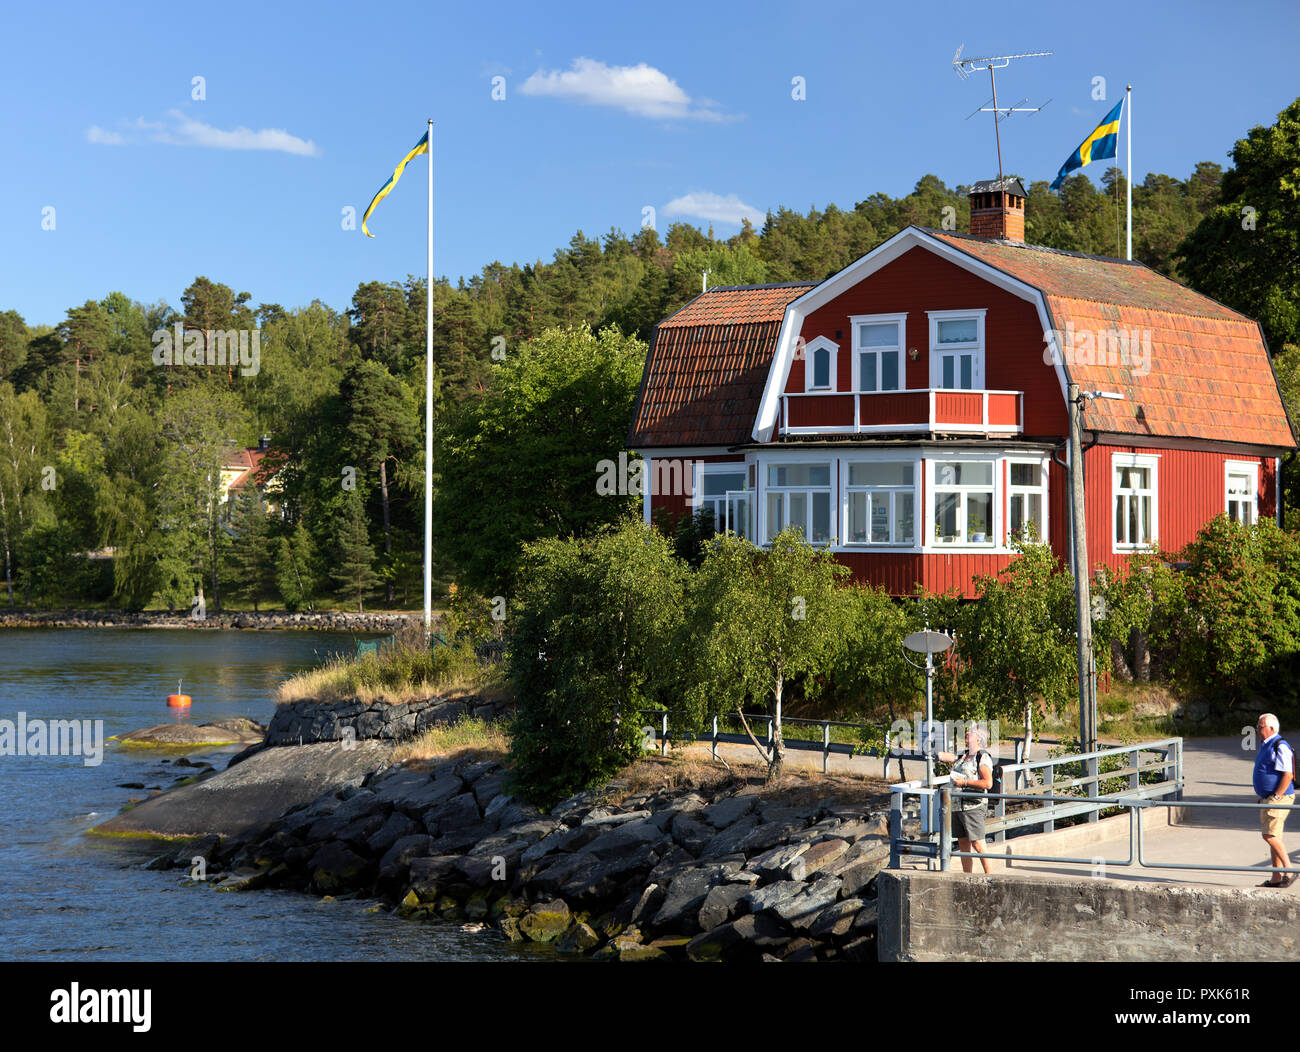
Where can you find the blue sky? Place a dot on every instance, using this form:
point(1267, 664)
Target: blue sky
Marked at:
point(685, 108)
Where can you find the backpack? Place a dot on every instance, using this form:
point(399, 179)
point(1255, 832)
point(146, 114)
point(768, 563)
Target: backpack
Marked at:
point(997, 781)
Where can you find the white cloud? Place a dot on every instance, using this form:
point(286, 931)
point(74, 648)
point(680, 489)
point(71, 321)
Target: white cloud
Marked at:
point(701, 204)
point(640, 89)
point(180, 130)
point(96, 134)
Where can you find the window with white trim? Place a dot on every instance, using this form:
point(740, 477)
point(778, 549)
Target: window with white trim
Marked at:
point(1241, 485)
point(1027, 500)
point(819, 364)
point(878, 351)
point(715, 482)
point(1136, 493)
point(799, 497)
point(957, 350)
point(881, 498)
point(962, 503)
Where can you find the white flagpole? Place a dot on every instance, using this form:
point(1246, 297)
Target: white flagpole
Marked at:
point(428, 415)
point(1128, 114)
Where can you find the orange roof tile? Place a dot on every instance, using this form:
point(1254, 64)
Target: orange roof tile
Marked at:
point(707, 367)
point(1203, 370)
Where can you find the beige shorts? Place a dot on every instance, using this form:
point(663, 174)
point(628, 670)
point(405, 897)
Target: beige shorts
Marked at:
point(1272, 820)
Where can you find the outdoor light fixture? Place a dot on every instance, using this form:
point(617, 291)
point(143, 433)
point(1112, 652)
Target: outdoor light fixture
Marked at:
point(927, 643)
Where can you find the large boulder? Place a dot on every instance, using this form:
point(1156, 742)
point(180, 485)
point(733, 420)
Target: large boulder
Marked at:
point(641, 836)
point(546, 921)
point(242, 799)
point(721, 904)
point(415, 792)
point(337, 868)
point(726, 812)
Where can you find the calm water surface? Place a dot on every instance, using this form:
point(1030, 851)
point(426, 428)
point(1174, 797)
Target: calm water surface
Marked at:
point(67, 896)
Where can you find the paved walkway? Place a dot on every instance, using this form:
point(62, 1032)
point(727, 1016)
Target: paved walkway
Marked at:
point(1217, 770)
point(1214, 769)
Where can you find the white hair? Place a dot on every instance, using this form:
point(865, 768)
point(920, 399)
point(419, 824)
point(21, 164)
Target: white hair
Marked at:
point(1270, 721)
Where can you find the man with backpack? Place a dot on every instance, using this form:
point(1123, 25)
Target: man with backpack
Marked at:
point(1274, 783)
point(972, 771)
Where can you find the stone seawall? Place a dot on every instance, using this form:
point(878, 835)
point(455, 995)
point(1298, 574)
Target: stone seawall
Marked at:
point(337, 621)
point(928, 916)
point(733, 872)
point(308, 722)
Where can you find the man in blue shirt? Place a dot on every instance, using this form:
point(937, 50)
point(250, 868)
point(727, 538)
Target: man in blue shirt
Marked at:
point(1274, 783)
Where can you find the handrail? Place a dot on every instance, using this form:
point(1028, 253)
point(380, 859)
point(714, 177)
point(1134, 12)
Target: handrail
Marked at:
point(1049, 807)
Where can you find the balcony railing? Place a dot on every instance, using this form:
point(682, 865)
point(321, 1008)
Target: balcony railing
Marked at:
point(929, 410)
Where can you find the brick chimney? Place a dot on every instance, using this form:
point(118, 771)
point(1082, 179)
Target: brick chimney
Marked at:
point(997, 210)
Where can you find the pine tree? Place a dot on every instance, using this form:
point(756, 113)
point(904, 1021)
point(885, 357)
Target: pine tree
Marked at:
point(355, 572)
point(252, 550)
point(295, 575)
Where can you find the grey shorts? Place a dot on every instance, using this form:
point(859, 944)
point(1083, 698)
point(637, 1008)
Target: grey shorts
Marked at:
point(968, 824)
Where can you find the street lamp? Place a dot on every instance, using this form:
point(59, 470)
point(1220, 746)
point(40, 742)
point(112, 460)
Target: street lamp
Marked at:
point(1082, 599)
point(927, 643)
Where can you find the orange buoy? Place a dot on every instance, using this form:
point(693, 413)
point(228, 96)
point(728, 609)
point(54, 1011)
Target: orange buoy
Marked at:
point(178, 700)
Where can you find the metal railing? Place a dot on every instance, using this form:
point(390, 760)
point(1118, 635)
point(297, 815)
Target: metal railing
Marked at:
point(1136, 857)
point(1034, 784)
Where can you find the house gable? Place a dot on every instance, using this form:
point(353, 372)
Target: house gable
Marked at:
point(911, 288)
point(838, 285)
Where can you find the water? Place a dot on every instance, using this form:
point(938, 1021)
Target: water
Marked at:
point(67, 896)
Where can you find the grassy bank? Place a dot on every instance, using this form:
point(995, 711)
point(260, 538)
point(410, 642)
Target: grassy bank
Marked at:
point(399, 672)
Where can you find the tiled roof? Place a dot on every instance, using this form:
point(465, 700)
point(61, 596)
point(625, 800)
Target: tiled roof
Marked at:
point(707, 367)
point(1207, 374)
point(246, 461)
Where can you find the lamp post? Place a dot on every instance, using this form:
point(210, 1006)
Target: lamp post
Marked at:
point(927, 643)
point(1082, 598)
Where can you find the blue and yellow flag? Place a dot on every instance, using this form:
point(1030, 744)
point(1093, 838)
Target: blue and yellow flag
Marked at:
point(420, 147)
point(1097, 146)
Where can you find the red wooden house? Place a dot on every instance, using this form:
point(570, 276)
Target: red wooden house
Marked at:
point(910, 411)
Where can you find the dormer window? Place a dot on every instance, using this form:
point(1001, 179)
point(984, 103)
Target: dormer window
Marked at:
point(957, 350)
point(878, 351)
point(819, 365)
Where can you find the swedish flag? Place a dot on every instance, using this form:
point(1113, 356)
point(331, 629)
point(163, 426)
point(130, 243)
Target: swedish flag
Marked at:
point(1097, 146)
point(420, 147)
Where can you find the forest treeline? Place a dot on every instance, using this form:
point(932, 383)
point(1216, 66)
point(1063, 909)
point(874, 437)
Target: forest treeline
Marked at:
point(102, 448)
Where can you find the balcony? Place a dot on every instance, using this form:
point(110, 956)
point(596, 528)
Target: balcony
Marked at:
point(925, 411)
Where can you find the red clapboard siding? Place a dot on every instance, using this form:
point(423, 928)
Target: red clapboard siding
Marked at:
point(1190, 492)
point(958, 407)
point(1004, 409)
point(900, 572)
point(902, 408)
point(919, 281)
point(821, 411)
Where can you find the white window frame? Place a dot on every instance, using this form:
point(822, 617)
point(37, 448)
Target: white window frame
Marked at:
point(994, 530)
point(698, 499)
point(855, 323)
point(821, 343)
point(937, 350)
point(846, 502)
point(1135, 460)
point(1251, 470)
point(829, 489)
point(1041, 489)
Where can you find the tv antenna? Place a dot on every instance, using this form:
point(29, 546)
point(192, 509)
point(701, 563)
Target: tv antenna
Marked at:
point(964, 67)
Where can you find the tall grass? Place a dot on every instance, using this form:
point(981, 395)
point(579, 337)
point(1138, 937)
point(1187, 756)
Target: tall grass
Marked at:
point(401, 671)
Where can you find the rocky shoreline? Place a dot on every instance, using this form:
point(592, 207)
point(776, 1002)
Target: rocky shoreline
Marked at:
point(307, 722)
point(732, 872)
point(339, 621)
